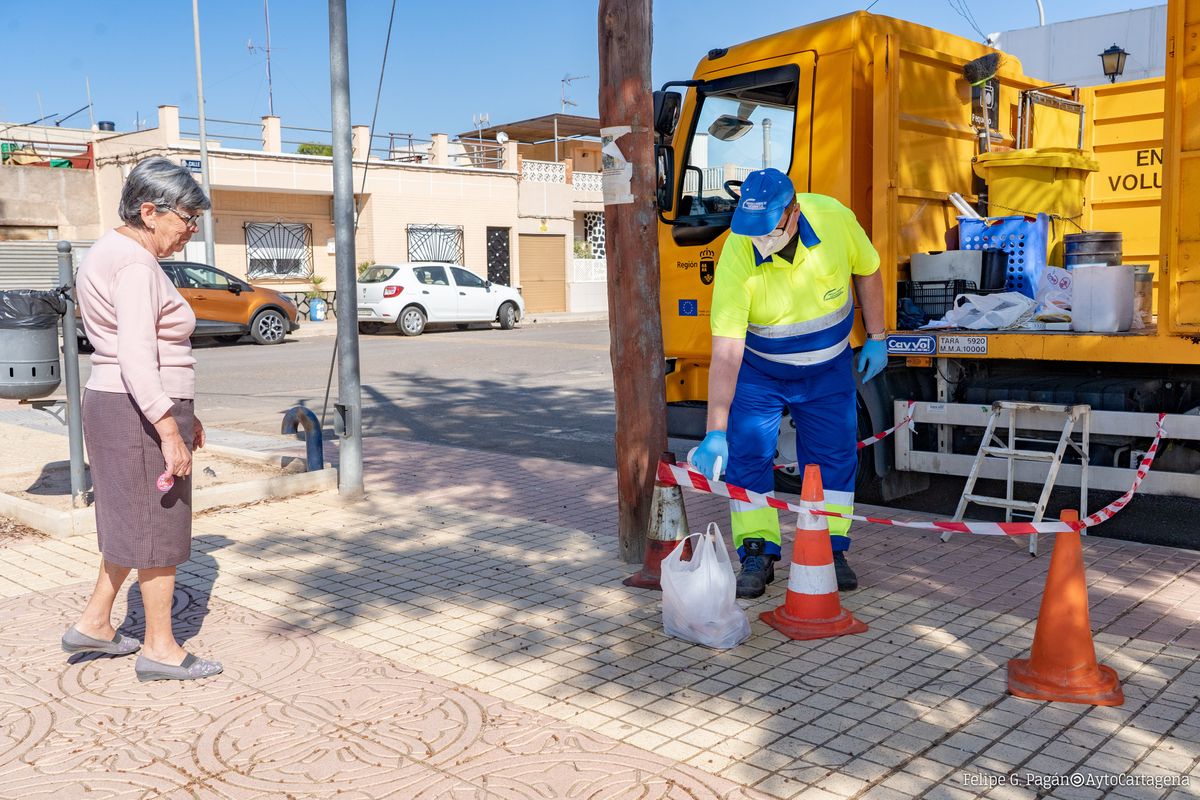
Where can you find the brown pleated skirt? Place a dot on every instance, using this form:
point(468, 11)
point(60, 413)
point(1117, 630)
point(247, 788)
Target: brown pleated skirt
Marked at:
point(137, 525)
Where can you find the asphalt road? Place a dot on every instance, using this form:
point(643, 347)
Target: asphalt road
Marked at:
point(542, 390)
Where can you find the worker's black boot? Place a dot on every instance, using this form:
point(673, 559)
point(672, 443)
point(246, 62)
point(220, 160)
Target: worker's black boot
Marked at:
point(757, 569)
point(846, 579)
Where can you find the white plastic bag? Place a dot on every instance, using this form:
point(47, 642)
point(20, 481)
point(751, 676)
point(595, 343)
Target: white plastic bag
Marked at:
point(698, 595)
point(1054, 295)
point(987, 312)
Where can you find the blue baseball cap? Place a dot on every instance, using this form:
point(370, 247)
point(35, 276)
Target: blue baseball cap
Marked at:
point(765, 194)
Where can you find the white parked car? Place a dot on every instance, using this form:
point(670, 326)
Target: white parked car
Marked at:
point(410, 296)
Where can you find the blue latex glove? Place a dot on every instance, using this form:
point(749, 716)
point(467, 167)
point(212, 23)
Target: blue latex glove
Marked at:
point(710, 458)
point(872, 359)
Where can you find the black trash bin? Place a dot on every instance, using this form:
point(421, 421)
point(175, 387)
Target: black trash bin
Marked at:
point(29, 349)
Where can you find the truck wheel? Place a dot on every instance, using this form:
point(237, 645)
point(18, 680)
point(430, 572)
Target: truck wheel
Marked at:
point(269, 327)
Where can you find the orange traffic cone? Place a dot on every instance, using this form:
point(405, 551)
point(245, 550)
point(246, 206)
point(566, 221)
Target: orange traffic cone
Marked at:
point(812, 609)
point(668, 524)
point(1063, 664)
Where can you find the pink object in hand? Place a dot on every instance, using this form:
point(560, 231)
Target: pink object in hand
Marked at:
point(165, 482)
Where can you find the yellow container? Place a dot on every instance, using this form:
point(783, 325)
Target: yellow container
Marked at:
point(1045, 180)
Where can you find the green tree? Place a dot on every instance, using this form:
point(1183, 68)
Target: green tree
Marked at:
point(315, 149)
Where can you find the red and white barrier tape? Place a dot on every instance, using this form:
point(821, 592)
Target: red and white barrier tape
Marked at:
point(870, 440)
point(674, 475)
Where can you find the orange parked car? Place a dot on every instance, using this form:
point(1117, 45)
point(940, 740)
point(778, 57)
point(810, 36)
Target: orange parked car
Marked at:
point(228, 308)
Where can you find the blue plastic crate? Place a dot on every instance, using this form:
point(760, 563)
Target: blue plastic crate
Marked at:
point(1023, 238)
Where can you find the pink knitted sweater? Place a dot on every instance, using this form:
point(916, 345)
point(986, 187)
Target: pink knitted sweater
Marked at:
point(138, 323)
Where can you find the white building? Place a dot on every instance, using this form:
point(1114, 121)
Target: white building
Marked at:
point(1068, 52)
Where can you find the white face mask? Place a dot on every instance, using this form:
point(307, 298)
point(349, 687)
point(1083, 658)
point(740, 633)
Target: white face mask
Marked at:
point(772, 243)
point(777, 239)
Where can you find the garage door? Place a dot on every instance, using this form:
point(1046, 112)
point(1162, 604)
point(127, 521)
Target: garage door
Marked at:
point(544, 272)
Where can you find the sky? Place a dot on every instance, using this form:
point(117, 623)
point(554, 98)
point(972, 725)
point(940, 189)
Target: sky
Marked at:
point(448, 61)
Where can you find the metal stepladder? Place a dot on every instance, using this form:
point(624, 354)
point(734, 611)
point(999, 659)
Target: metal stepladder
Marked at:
point(993, 447)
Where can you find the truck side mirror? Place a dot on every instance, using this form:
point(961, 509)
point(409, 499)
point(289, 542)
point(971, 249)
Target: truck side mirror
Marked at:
point(666, 112)
point(664, 171)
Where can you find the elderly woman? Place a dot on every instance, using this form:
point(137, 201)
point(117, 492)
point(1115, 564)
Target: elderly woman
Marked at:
point(138, 419)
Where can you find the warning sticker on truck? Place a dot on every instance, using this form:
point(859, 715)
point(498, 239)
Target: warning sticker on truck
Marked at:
point(962, 345)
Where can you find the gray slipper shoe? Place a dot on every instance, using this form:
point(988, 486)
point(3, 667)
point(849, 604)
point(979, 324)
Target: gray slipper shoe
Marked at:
point(191, 669)
point(75, 642)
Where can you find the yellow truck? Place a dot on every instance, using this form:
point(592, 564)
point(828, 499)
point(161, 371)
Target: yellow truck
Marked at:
point(875, 112)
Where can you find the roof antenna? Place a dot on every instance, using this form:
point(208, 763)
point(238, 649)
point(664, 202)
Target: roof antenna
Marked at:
point(254, 49)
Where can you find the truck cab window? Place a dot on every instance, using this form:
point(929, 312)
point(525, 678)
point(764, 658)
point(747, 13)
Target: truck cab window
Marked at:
point(741, 125)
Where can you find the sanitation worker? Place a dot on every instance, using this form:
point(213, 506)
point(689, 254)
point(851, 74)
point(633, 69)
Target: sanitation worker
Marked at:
point(782, 311)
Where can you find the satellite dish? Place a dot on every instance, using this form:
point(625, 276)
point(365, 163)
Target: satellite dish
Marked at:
point(501, 137)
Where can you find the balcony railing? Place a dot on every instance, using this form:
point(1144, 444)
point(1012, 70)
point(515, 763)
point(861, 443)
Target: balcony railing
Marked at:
point(543, 171)
point(405, 148)
point(714, 178)
point(472, 152)
point(587, 181)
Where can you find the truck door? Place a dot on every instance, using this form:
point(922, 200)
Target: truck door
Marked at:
point(1179, 283)
point(741, 119)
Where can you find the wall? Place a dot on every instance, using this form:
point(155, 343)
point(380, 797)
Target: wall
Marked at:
point(400, 197)
point(585, 154)
point(1067, 52)
point(232, 209)
point(60, 201)
point(587, 298)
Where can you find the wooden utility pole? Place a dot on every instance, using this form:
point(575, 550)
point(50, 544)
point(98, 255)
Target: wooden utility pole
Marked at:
point(631, 237)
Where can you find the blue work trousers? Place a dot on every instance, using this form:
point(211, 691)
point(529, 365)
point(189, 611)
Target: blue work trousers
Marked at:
point(824, 407)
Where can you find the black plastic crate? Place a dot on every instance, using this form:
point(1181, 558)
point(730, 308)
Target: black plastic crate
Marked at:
point(934, 298)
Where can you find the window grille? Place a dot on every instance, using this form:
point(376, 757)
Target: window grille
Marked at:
point(278, 250)
point(436, 243)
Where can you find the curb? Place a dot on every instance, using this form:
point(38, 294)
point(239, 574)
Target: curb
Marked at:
point(61, 524)
point(314, 330)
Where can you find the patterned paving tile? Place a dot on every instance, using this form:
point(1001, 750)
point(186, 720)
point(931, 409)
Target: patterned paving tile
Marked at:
point(475, 642)
point(58, 752)
point(296, 714)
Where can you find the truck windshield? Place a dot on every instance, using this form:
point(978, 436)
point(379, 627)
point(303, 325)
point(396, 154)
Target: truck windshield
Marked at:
point(742, 124)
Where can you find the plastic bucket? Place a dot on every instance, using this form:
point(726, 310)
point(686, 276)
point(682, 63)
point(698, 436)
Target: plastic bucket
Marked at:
point(1040, 180)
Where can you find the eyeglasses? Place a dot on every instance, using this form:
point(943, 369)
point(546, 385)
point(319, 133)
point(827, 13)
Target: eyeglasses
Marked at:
point(190, 220)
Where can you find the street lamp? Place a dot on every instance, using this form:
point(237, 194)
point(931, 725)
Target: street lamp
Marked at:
point(1114, 62)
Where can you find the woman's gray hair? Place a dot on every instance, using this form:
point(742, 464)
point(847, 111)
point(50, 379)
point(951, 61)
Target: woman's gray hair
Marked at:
point(163, 183)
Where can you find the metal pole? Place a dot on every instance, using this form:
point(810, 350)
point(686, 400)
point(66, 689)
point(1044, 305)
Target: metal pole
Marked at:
point(556, 137)
point(270, 87)
point(766, 155)
point(349, 408)
point(1041, 13)
point(70, 350)
point(209, 245)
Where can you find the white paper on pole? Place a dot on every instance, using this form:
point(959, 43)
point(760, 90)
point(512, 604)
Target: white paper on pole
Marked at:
point(617, 173)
